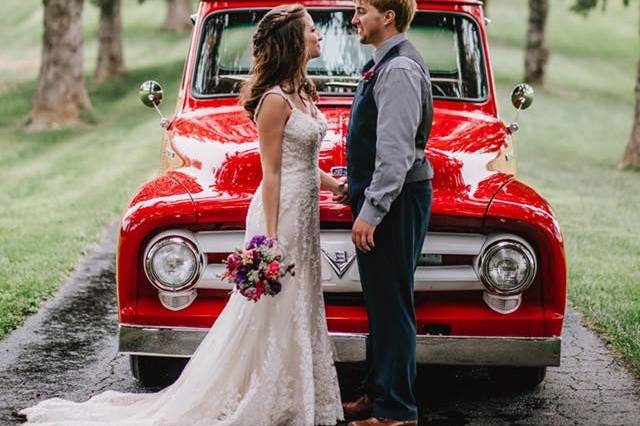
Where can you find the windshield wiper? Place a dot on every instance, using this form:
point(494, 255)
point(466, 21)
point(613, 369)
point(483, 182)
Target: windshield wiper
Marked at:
point(237, 77)
point(349, 84)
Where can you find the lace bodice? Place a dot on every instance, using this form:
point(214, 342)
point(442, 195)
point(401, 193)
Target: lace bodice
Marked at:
point(303, 133)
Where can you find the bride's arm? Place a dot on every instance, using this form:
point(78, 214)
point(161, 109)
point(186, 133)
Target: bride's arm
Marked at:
point(272, 117)
point(338, 187)
point(328, 182)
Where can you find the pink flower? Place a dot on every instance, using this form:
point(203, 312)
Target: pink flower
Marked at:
point(233, 261)
point(273, 270)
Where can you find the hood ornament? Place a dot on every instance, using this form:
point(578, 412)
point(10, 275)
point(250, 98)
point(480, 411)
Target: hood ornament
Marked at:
point(340, 262)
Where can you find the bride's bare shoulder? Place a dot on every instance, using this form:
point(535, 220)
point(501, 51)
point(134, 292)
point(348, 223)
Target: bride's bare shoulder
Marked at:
point(273, 107)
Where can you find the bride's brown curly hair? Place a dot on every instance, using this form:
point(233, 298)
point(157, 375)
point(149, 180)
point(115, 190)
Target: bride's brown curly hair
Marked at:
point(279, 57)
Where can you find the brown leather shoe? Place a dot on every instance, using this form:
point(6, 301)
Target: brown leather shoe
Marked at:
point(16, 414)
point(383, 422)
point(359, 409)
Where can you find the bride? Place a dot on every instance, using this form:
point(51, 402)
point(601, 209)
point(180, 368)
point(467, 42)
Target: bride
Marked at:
point(270, 362)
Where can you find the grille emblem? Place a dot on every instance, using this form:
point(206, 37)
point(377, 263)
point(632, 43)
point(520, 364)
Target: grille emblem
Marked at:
point(340, 262)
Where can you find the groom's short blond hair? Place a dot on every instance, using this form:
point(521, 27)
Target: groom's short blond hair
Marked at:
point(403, 9)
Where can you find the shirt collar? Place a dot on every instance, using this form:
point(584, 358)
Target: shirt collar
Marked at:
point(385, 47)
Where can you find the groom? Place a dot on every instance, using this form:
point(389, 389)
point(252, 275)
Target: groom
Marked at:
point(389, 184)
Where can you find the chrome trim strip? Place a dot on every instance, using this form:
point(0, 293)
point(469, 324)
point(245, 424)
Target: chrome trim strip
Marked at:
point(351, 347)
point(436, 242)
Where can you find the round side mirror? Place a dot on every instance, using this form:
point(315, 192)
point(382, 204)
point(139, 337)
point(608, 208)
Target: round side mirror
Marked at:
point(522, 96)
point(150, 93)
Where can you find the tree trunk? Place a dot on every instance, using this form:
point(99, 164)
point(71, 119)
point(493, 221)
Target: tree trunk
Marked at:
point(485, 7)
point(178, 15)
point(110, 59)
point(632, 153)
point(61, 97)
point(537, 54)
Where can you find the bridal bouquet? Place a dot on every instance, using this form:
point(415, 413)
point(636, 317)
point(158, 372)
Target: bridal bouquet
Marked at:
point(256, 270)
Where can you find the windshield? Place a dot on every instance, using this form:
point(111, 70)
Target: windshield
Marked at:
point(449, 43)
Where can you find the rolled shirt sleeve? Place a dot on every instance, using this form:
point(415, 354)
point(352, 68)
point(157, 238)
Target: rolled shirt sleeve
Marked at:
point(398, 96)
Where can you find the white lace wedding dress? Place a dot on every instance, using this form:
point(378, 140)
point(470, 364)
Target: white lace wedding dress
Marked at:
point(264, 363)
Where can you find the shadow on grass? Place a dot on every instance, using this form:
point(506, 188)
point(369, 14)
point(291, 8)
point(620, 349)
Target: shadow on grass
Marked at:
point(168, 75)
point(107, 100)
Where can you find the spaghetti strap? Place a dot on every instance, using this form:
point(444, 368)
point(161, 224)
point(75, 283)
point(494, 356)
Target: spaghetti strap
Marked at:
point(277, 90)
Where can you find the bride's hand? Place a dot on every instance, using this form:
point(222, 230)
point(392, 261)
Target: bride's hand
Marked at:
point(277, 249)
point(341, 195)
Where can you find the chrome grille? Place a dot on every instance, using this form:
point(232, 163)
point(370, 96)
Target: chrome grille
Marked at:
point(340, 271)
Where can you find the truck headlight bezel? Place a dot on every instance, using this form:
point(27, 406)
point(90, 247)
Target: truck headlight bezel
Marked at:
point(192, 248)
point(501, 246)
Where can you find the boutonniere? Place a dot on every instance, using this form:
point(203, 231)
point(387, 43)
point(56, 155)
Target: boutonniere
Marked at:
point(369, 74)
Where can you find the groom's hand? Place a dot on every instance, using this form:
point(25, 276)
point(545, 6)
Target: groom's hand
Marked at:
point(362, 235)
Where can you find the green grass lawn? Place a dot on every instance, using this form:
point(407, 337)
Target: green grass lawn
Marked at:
point(61, 188)
point(571, 141)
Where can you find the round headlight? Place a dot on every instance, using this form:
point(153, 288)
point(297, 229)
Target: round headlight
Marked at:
point(507, 267)
point(173, 263)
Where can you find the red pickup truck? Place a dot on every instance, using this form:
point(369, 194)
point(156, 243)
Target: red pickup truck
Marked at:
point(490, 287)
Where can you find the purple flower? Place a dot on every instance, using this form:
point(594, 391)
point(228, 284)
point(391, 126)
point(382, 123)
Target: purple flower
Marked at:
point(259, 240)
point(241, 275)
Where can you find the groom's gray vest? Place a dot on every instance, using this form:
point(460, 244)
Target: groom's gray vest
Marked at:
point(362, 136)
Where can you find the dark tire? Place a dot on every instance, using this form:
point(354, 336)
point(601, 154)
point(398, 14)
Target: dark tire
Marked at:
point(154, 371)
point(521, 378)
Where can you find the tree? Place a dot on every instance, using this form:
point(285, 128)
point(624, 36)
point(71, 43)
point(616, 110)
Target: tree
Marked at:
point(178, 15)
point(631, 158)
point(110, 58)
point(537, 54)
point(61, 97)
point(485, 7)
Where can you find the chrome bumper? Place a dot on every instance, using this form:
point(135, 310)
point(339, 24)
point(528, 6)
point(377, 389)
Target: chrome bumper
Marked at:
point(451, 350)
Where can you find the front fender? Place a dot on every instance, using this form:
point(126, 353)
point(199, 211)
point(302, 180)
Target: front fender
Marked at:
point(520, 209)
point(160, 203)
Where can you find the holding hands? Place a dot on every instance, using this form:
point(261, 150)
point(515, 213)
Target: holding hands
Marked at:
point(338, 187)
point(341, 194)
point(362, 232)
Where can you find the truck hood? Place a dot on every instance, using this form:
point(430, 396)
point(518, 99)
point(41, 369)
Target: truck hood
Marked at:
point(216, 157)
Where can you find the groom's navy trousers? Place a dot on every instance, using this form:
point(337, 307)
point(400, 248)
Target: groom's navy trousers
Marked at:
point(386, 274)
point(387, 271)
